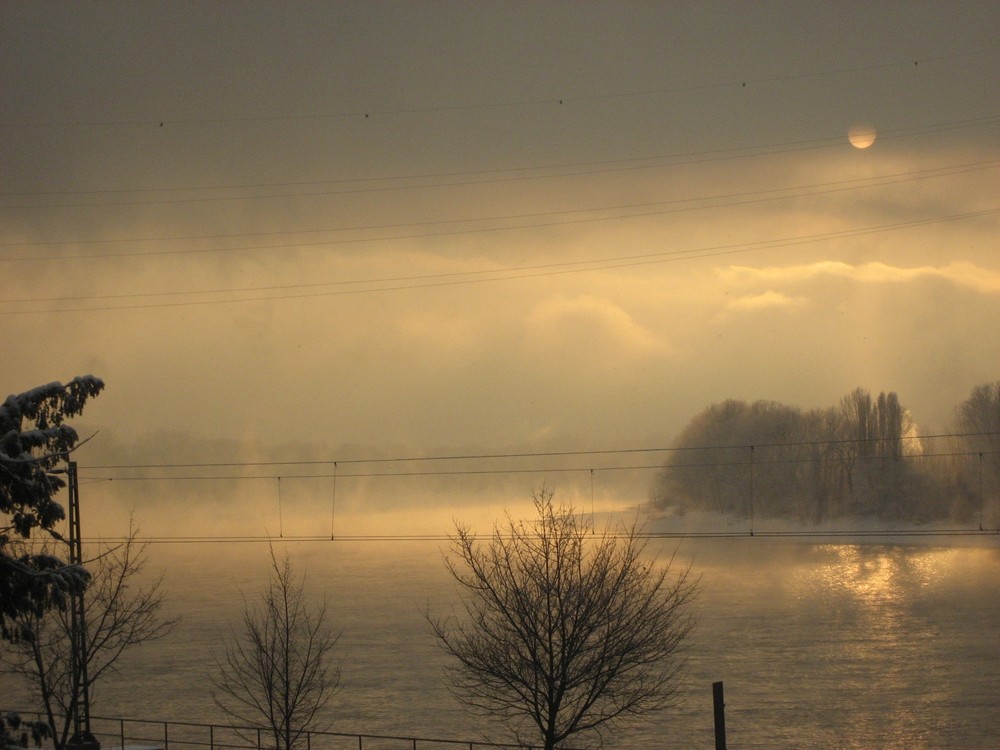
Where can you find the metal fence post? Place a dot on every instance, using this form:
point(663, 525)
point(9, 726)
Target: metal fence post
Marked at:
point(720, 716)
point(189, 733)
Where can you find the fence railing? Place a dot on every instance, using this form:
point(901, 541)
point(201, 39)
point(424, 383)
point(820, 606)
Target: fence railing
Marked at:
point(150, 734)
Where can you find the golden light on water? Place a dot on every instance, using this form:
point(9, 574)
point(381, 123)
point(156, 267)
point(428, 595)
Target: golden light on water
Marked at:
point(874, 576)
point(867, 578)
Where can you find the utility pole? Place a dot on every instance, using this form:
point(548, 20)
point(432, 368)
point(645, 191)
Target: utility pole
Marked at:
point(82, 738)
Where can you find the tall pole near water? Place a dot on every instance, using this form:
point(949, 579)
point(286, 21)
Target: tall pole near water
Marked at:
point(82, 738)
point(719, 704)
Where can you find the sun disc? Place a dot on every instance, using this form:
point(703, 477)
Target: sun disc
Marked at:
point(861, 135)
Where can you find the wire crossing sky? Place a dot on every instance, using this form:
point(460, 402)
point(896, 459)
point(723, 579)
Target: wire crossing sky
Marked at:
point(378, 229)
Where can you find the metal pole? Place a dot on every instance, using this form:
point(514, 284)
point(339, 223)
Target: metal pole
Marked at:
point(281, 531)
point(82, 736)
point(720, 716)
point(74, 614)
point(333, 502)
point(751, 491)
point(980, 490)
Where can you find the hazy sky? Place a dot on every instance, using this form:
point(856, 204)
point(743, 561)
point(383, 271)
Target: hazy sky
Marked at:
point(425, 227)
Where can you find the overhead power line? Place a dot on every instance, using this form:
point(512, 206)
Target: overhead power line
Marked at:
point(718, 200)
point(539, 454)
point(751, 531)
point(756, 534)
point(479, 177)
point(388, 284)
point(590, 467)
point(552, 101)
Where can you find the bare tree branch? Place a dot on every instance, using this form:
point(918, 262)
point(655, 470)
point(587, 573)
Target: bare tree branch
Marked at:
point(119, 615)
point(563, 632)
point(277, 673)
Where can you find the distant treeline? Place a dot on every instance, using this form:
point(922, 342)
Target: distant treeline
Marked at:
point(862, 457)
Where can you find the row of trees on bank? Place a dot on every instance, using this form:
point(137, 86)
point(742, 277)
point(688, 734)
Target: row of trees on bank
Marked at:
point(863, 457)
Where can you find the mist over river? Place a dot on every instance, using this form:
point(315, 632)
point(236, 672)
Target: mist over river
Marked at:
point(820, 645)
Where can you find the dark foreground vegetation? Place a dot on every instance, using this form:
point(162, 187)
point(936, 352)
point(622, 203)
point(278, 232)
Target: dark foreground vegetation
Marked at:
point(563, 632)
point(862, 458)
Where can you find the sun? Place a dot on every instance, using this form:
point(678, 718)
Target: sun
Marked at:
point(861, 135)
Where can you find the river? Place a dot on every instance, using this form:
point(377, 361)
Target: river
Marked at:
point(819, 644)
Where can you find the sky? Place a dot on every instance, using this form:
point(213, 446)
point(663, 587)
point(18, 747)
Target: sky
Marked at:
point(358, 229)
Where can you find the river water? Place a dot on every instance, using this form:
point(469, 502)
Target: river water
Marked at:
point(819, 645)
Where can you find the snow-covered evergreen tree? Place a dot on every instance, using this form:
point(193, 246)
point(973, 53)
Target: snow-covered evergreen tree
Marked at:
point(34, 441)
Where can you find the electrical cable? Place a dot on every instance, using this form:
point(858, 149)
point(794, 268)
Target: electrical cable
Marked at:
point(723, 200)
point(516, 273)
point(682, 159)
point(546, 454)
point(754, 531)
point(367, 113)
point(588, 467)
point(817, 534)
point(93, 478)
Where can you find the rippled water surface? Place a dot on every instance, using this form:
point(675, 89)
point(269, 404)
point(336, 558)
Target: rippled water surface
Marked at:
point(818, 645)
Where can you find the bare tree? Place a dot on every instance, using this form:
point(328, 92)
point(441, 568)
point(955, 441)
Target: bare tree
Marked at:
point(977, 473)
point(277, 673)
point(118, 613)
point(979, 417)
point(565, 631)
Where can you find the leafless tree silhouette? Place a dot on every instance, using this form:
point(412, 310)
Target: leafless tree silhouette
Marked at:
point(119, 615)
point(564, 631)
point(277, 673)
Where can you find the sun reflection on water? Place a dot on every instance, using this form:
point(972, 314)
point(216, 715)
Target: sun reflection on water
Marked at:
point(876, 575)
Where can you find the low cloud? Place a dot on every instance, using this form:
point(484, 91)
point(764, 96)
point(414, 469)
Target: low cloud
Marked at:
point(967, 275)
point(591, 321)
point(769, 299)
